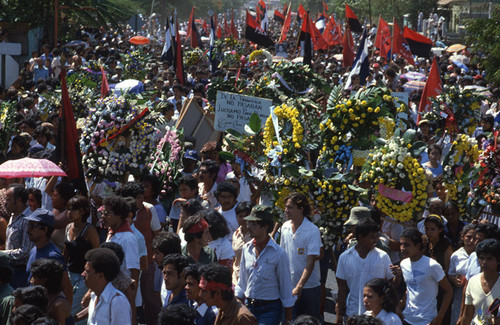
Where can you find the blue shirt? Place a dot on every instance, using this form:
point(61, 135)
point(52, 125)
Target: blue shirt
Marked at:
point(266, 277)
point(204, 314)
point(50, 251)
point(180, 299)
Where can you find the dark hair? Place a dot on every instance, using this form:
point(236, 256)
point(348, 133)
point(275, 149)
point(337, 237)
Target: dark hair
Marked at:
point(192, 271)
point(33, 295)
point(366, 227)
point(118, 205)
point(438, 221)
point(190, 181)
point(306, 320)
point(104, 261)
point(5, 274)
point(226, 187)
point(301, 201)
point(220, 274)
point(414, 235)
point(51, 270)
point(20, 192)
point(192, 206)
point(363, 320)
point(488, 118)
point(79, 202)
point(211, 166)
point(132, 189)
point(36, 193)
point(180, 262)
point(116, 248)
point(167, 243)
point(21, 142)
point(132, 206)
point(488, 229)
point(451, 204)
point(384, 288)
point(188, 223)
point(155, 183)
point(244, 206)
point(218, 227)
point(42, 130)
point(66, 190)
point(491, 247)
point(435, 146)
point(45, 321)
point(179, 314)
point(26, 314)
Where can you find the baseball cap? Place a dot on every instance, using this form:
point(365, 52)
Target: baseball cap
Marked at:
point(261, 213)
point(191, 154)
point(42, 216)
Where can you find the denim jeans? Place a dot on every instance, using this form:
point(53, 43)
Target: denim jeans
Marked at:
point(79, 290)
point(308, 303)
point(268, 314)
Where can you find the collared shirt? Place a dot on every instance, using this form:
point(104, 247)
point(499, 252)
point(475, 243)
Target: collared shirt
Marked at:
point(205, 315)
point(181, 298)
point(305, 242)
point(266, 277)
point(130, 247)
point(49, 251)
point(356, 271)
point(112, 308)
point(239, 241)
point(17, 244)
point(235, 314)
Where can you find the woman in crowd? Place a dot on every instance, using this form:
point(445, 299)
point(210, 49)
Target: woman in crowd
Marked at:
point(61, 194)
point(484, 287)
point(48, 273)
point(80, 237)
point(458, 268)
point(379, 298)
point(219, 231)
point(434, 163)
point(196, 233)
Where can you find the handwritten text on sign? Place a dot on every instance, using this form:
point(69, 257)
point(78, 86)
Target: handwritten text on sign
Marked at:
point(233, 111)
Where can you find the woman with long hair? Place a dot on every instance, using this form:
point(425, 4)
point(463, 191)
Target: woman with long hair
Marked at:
point(379, 298)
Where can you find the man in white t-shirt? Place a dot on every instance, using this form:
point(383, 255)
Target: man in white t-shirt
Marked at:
point(358, 265)
point(423, 276)
point(226, 195)
point(301, 240)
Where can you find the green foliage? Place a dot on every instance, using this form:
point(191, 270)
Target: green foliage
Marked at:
point(483, 38)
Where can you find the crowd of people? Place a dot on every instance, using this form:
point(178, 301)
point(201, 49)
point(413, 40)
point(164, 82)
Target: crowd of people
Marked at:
point(217, 254)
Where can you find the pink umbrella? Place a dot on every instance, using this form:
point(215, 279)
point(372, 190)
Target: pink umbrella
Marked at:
point(29, 167)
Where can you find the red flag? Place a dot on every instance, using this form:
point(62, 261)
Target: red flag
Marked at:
point(432, 88)
point(234, 31)
point(383, 39)
point(286, 25)
point(104, 84)
point(190, 24)
point(255, 33)
point(348, 49)
point(260, 10)
point(227, 31)
point(316, 36)
point(219, 32)
point(285, 9)
point(353, 20)
point(179, 65)
point(399, 44)
point(325, 9)
point(68, 147)
point(331, 33)
point(301, 11)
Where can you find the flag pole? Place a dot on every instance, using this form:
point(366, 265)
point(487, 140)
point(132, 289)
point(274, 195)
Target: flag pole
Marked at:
point(392, 41)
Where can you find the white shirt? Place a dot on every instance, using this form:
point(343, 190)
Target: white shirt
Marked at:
point(387, 317)
point(130, 248)
point(245, 194)
point(394, 230)
point(232, 222)
point(422, 278)
point(155, 221)
point(222, 248)
point(356, 271)
point(475, 296)
point(113, 308)
point(473, 267)
point(458, 265)
point(305, 242)
point(266, 277)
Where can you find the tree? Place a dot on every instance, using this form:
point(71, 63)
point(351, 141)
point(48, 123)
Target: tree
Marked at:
point(482, 37)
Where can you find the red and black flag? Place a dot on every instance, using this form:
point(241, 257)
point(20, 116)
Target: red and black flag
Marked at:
point(278, 16)
point(193, 33)
point(399, 45)
point(419, 44)
point(261, 10)
point(255, 33)
point(383, 39)
point(285, 8)
point(306, 34)
point(353, 20)
point(68, 147)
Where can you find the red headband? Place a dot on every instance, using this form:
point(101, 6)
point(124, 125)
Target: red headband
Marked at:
point(212, 285)
point(198, 227)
